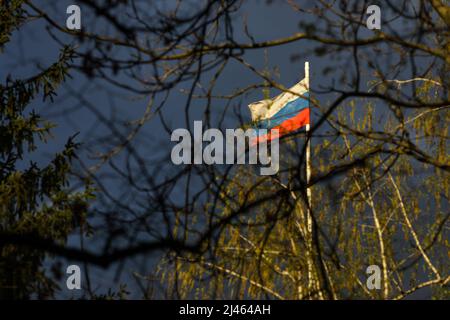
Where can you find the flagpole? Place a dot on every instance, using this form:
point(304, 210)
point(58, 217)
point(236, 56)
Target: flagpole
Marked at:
point(312, 285)
point(308, 141)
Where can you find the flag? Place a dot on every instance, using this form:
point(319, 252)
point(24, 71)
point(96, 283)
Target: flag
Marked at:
point(287, 112)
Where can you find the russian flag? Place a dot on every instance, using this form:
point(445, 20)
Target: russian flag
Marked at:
point(287, 112)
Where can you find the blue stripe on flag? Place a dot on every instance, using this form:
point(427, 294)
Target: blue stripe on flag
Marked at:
point(288, 111)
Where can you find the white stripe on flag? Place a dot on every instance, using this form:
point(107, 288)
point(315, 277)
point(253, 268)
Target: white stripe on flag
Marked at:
point(266, 109)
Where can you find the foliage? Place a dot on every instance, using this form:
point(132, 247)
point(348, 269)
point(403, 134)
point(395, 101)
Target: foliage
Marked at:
point(264, 253)
point(34, 201)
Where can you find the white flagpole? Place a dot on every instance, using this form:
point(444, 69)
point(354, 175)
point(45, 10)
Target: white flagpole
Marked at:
point(308, 141)
point(309, 223)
